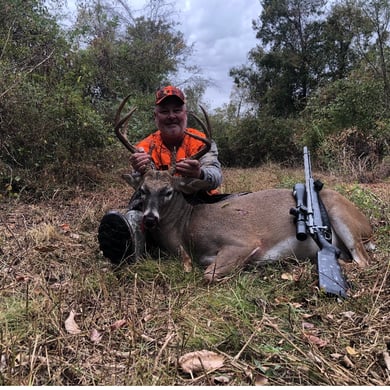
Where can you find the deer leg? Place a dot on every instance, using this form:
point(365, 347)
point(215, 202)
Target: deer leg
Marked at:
point(229, 259)
point(351, 226)
point(353, 237)
point(186, 259)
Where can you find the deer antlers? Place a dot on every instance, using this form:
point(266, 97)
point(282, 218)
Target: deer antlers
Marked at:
point(119, 123)
point(206, 129)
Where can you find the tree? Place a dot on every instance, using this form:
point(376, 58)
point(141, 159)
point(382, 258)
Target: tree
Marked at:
point(127, 53)
point(377, 38)
point(281, 75)
point(46, 125)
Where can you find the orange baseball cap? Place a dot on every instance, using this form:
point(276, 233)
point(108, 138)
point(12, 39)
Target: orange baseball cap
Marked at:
point(167, 91)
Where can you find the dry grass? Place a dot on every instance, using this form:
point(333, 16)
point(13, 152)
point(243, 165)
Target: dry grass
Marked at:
point(271, 324)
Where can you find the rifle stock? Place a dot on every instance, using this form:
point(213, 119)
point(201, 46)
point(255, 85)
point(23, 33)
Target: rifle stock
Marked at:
point(330, 275)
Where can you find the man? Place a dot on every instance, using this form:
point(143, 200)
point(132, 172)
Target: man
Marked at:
point(120, 236)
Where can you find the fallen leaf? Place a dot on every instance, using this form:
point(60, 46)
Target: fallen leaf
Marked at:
point(297, 274)
point(316, 340)
point(351, 351)
point(200, 361)
point(147, 338)
point(70, 324)
point(307, 325)
point(95, 336)
point(347, 362)
point(261, 380)
point(287, 276)
point(22, 278)
point(21, 360)
point(3, 362)
point(118, 324)
point(121, 354)
point(57, 285)
point(221, 379)
point(148, 317)
point(348, 314)
point(282, 299)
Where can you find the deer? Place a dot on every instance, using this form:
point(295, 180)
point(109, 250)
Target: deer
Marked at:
point(226, 236)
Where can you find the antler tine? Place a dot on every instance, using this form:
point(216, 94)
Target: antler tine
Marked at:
point(206, 129)
point(123, 123)
point(172, 170)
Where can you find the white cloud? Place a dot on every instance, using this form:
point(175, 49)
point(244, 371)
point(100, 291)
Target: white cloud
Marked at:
point(221, 31)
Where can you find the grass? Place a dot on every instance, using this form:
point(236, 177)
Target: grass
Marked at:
point(270, 324)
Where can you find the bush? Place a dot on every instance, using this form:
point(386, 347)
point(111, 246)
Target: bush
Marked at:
point(254, 141)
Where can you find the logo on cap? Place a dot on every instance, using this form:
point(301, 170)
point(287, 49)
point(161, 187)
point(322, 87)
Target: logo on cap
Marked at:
point(165, 92)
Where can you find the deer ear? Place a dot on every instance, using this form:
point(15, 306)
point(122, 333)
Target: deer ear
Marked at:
point(133, 180)
point(189, 185)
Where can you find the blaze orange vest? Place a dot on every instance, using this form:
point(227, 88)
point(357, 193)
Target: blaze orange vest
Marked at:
point(161, 155)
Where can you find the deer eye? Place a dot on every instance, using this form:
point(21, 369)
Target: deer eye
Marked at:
point(167, 192)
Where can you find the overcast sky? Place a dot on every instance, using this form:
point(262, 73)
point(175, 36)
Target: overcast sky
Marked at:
point(222, 33)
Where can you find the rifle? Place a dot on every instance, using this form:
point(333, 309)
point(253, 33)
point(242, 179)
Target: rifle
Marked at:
point(311, 217)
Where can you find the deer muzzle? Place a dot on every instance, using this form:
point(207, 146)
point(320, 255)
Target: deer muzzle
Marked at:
point(150, 221)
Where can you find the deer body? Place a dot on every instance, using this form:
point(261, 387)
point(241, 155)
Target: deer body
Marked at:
point(252, 228)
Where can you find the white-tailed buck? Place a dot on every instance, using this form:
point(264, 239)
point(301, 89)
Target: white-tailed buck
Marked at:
point(252, 228)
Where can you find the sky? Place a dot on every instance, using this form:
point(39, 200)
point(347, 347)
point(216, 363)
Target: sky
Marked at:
point(222, 34)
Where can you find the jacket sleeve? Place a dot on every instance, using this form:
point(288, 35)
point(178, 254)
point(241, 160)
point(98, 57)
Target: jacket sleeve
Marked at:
point(211, 167)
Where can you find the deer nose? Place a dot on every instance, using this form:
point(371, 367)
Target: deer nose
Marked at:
point(150, 221)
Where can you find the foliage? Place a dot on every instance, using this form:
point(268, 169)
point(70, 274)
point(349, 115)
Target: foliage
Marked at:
point(252, 141)
point(326, 70)
point(347, 122)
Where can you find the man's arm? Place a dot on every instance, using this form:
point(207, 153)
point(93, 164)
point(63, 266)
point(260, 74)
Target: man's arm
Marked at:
point(207, 168)
point(211, 167)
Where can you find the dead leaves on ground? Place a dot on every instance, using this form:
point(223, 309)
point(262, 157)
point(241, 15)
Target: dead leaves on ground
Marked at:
point(201, 361)
point(71, 325)
point(94, 335)
point(198, 362)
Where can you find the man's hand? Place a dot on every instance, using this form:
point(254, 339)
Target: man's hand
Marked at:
point(188, 168)
point(140, 161)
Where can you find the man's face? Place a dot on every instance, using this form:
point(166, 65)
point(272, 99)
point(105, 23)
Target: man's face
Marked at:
point(171, 120)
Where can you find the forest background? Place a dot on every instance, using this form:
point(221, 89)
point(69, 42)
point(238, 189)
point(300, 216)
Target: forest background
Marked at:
point(319, 76)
